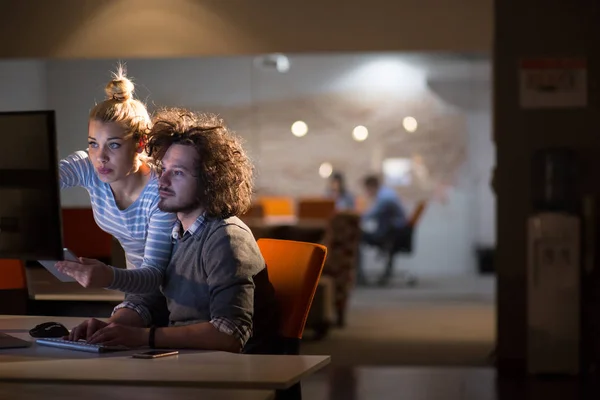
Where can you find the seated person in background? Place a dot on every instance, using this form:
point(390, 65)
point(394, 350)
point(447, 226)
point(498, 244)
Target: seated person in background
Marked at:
point(216, 286)
point(383, 220)
point(337, 191)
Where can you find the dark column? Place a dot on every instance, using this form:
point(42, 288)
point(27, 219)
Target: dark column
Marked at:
point(535, 29)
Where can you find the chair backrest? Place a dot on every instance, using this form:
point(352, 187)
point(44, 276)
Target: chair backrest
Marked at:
point(342, 240)
point(361, 204)
point(403, 242)
point(256, 210)
point(83, 236)
point(276, 206)
point(294, 270)
point(417, 213)
point(315, 208)
point(13, 287)
point(12, 274)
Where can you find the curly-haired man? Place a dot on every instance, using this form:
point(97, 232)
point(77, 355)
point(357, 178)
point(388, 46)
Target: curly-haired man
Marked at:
point(216, 285)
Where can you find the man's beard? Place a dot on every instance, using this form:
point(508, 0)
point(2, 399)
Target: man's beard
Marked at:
point(178, 208)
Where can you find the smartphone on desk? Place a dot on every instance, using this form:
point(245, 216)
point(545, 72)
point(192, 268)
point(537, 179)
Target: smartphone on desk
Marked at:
point(156, 354)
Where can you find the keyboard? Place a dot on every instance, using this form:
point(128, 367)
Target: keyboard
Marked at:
point(79, 345)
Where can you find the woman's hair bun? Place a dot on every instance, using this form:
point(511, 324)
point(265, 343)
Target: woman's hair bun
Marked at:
point(119, 88)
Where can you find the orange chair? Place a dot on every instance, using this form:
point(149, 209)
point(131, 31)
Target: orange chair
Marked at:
point(417, 213)
point(12, 274)
point(315, 208)
point(256, 211)
point(13, 287)
point(294, 270)
point(83, 236)
point(362, 204)
point(277, 206)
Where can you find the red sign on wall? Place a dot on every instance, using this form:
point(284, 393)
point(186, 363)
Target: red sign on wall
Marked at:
point(553, 82)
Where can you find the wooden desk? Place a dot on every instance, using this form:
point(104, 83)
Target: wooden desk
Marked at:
point(36, 391)
point(303, 230)
point(42, 285)
point(198, 369)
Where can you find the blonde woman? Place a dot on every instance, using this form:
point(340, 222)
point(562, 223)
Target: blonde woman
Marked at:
point(123, 190)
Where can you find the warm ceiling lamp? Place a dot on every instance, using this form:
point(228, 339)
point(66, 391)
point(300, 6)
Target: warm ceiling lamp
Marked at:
point(299, 128)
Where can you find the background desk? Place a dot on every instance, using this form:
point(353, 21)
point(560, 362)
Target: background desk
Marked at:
point(49, 296)
point(42, 285)
point(199, 369)
point(288, 228)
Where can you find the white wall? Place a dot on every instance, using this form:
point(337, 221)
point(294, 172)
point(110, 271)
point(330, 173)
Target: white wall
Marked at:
point(449, 230)
point(22, 85)
point(474, 97)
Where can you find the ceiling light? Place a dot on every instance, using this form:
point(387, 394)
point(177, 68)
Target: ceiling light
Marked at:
point(325, 170)
point(410, 124)
point(360, 133)
point(299, 128)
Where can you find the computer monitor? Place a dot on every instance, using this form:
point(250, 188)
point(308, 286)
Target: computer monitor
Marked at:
point(30, 217)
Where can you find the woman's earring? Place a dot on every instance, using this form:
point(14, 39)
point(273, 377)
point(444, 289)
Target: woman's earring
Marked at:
point(141, 145)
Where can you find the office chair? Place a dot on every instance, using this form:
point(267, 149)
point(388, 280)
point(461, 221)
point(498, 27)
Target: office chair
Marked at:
point(401, 241)
point(13, 287)
point(294, 270)
point(277, 205)
point(315, 208)
point(342, 241)
point(83, 236)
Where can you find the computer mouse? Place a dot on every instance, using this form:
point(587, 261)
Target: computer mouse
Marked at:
point(49, 330)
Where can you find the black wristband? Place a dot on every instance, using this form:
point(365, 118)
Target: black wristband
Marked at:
point(151, 336)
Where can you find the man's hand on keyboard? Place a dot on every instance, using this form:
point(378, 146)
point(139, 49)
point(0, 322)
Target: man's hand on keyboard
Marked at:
point(86, 329)
point(116, 334)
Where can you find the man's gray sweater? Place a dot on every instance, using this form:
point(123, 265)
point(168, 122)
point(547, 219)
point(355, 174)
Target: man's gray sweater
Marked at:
point(219, 272)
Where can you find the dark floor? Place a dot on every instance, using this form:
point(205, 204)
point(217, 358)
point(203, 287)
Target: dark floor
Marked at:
point(432, 342)
point(441, 322)
point(430, 383)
